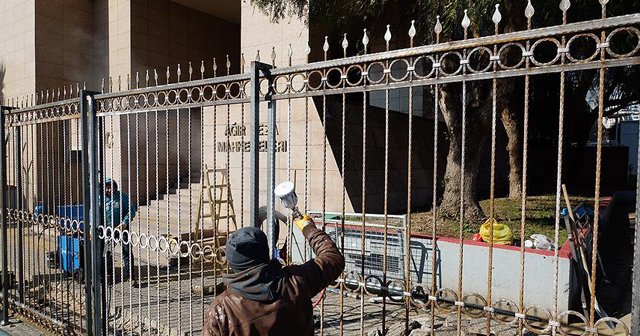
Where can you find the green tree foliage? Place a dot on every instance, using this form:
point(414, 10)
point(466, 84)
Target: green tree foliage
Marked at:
point(334, 17)
point(339, 13)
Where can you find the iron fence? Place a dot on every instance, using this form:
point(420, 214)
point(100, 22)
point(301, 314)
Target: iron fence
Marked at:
point(147, 257)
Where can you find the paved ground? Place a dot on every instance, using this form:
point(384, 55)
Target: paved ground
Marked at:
point(171, 301)
point(19, 328)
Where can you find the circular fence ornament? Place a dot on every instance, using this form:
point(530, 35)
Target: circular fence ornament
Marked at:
point(566, 323)
point(537, 320)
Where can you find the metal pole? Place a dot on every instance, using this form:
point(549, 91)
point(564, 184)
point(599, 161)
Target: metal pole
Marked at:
point(635, 287)
point(254, 153)
point(271, 175)
point(254, 179)
point(18, 159)
point(3, 208)
point(94, 131)
point(87, 196)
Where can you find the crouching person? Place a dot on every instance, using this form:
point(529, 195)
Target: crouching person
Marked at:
point(263, 297)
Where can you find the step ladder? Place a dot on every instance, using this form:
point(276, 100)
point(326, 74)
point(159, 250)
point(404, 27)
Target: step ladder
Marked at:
point(215, 199)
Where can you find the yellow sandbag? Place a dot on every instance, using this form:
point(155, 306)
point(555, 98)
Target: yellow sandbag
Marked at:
point(501, 233)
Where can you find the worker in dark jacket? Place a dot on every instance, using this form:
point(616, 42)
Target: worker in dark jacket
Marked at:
point(263, 297)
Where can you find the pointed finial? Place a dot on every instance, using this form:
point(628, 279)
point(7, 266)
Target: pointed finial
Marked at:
point(564, 5)
point(529, 11)
point(137, 80)
point(228, 65)
point(325, 47)
point(273, 56)
point(110, 84)
point(412, 32)
point(307, 50)
point(84, 85)
point(155, 76)
point(365, 40)
point(58, 94)
point(215, 67)
point(438, 28)
point(387, 36)
point(190, 71)
point(128, 82)
point(119, 83)
point(64, 92)
point(202, 69)
point(168, 74)
point(290, 54)
point(466, 22)
point(603, 3)
point(258, 55)
point(179, 72)
point(242, 62)
point(345, 44)
point(497, 17)
point(146, 78)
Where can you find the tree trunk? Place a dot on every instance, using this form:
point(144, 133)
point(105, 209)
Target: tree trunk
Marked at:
point(476, 133)
point(514, 148)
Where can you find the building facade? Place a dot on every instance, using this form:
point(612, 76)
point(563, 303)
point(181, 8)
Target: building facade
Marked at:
point(53, 48)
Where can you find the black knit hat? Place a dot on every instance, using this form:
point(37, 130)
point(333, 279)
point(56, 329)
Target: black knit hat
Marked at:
point(247, 248)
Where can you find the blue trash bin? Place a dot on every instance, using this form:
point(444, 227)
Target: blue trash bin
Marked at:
point(69, 253)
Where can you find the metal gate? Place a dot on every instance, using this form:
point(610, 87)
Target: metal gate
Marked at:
point(194, 159)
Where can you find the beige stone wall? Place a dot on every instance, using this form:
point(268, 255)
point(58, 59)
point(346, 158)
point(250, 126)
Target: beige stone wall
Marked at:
point(293, 156)
point(259, 33)
point(17, 48)
point(165, 33)
point(64, 36)
point(153, 34)
point(294, 119)
point(118, 46)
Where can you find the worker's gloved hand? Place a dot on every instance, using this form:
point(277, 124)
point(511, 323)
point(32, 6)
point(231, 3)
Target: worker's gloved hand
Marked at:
point(303, 222)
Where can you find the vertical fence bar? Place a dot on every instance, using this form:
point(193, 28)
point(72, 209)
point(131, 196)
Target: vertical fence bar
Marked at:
point(564, 6)
point(596, 204)
point(5, 223)
point(492, 215)
point(364, 201)
point(139, 226)
point(86, 131)
point(407, 242)
point(18, 162)
point(271, 175)
point(31, 194)
point(78, 157)
point(157, 212)
point(463, 140)
point(254, 153)
point(635, 287)
point(343, 190)
point(99, 280)
point(525, 150)
point(94, 135)
point(50, 206)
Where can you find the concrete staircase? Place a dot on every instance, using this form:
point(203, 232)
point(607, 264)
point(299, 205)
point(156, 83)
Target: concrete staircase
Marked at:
point(175, 214)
